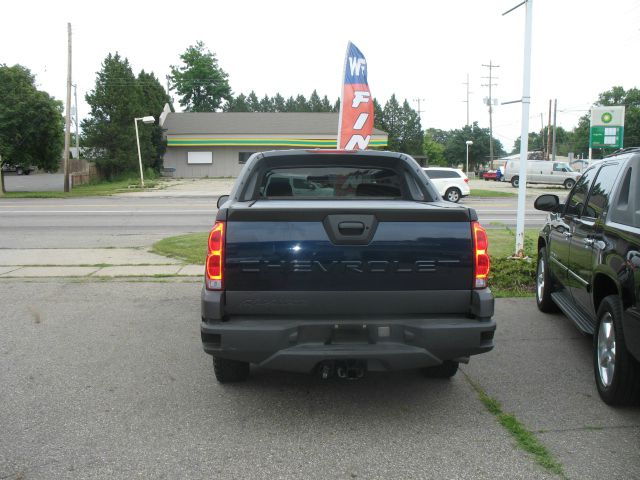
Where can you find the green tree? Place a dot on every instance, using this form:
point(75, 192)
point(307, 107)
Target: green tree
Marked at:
point(456, 148)
point(278, 103)
point(433, 150)
point(391, 122)
point(378, 113)
point(153, 98)
point(315, 104)
point(109, 132)
point(411, 136)
point(290, 105)
point(238, 104)
point(253, 102)
point(267, 105)
point(301, 104)
point(326, 105)
point(31, 122)
point(538, 142)
point(201, 83)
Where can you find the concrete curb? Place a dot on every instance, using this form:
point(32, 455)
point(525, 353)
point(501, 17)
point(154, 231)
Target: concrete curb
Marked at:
point(18, 271)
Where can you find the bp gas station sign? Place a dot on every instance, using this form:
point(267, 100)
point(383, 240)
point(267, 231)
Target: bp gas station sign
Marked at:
point(607, 127)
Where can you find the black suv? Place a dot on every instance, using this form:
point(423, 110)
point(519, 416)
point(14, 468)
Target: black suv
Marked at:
point(589, 268)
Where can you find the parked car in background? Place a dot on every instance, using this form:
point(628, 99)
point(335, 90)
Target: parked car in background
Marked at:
point(18, 169)
point(589, 267)
point(495, 175)
point(452, 183)
point(541, 171)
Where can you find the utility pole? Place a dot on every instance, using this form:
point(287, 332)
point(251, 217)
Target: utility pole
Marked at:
point(467, 100)
point(542, 132)
point(548, 151)
point(491, 66)
point(555, 111)
point(67, 128)
point(419, 111)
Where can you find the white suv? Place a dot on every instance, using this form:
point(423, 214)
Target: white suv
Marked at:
point(452, 183)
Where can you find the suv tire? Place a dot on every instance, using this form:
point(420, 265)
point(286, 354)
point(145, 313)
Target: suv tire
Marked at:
point(515, 182)
point(447, 369)
point(228, 371)
point(569, 183)
point(452, 195)
point(544, 285)
point(617, 373)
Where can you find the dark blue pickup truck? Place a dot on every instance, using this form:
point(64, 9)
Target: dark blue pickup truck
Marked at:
point(339, 262)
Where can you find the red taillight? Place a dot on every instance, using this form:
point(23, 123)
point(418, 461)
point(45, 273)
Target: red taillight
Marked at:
point(481, 255)
point(466, 179)
point(214, 268)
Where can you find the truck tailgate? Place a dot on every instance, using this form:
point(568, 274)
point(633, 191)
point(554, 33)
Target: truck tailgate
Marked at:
point(348, 257)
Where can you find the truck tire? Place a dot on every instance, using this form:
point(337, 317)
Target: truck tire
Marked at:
point(228, 371)
point(515, 182)
point(544, 285)
point(569, 183)
point(447, 369)
point(452, 195)
point(617, 373)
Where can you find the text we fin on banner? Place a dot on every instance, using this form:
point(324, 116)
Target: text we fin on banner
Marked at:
point(356, 105)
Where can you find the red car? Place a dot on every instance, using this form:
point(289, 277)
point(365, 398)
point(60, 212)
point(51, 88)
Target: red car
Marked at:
point(491, 175)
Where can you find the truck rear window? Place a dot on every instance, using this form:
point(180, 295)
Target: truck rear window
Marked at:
point(331, 182)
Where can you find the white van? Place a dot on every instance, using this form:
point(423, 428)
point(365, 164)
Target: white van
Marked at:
point(541, 171)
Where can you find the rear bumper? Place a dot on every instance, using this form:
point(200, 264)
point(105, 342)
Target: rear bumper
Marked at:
point(385, 343)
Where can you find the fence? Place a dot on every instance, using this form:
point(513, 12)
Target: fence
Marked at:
point(82, 171)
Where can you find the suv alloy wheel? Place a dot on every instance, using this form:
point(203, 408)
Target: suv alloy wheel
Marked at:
point(544, 286)
point(617, 372)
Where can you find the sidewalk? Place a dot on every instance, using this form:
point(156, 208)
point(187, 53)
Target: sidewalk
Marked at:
point(91, 262)
point(187, 187)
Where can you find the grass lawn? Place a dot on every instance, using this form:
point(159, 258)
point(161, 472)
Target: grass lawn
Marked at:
point(88, 190)
point(479, 192)
point(191, 248)
point(508, 278)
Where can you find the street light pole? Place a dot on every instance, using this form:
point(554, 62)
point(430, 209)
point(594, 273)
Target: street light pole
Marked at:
point(148, 119)
point(468, 142)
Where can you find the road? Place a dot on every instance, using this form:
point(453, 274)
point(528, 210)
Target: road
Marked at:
point(117, 221)
point(133, 221)
point(97, 388)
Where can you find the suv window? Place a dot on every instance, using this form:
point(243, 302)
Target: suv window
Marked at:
point(599, 196)
point(441, 174)
point(578, 196)
point(626, 209)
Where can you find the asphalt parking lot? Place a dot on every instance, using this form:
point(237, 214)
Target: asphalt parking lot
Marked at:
point(96, 388)
point(35, 182)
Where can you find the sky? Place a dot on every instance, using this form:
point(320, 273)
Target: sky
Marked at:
point(414, 49)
